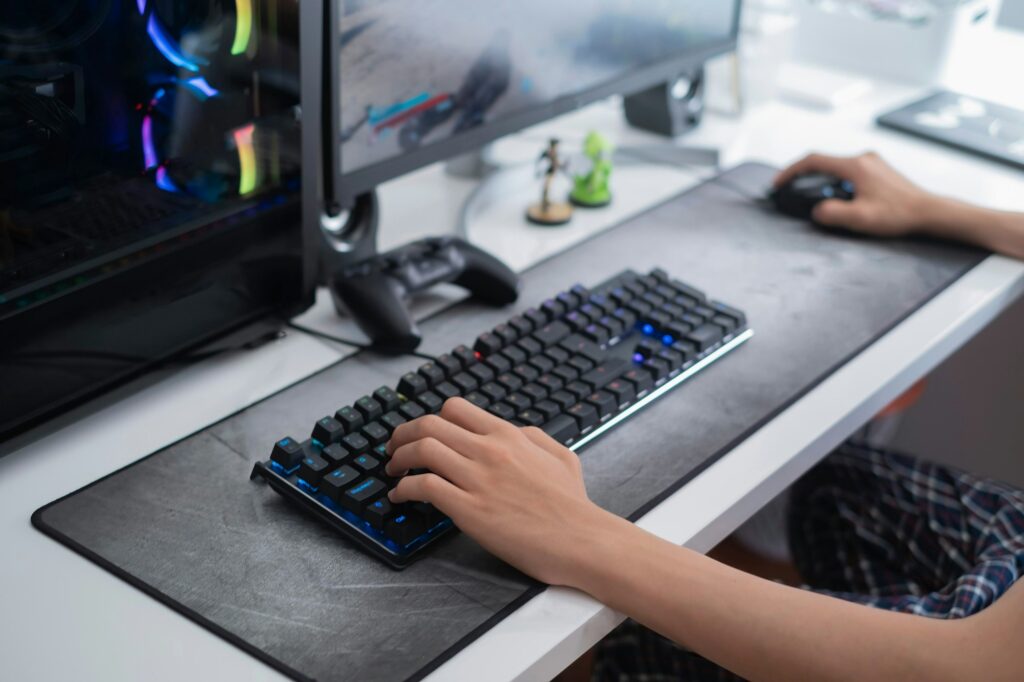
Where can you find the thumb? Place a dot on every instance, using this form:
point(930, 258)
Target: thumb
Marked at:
point(839, 213)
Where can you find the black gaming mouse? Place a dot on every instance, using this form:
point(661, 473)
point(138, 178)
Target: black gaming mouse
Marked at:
point(799, 196)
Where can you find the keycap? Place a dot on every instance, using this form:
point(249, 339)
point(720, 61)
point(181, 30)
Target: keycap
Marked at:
point(481, 372)
point(411, 410)
point(369, 408)
point(377, 512)
point(465, 382)
point(564, 399)
point(726, 323)
point(526, 372)
point(375, 433)
point(365, 463)
point(355, 443)
point(568, 299)
point(430, 401)
point(607, 371)
point(391, 421)
point(534, 392)
point(412, 384)
point(579, 345)
point(577, 321)
point(449, 364)
point(705, 336)
point(738, 317)
point(581, 363)
point(387, 398)
point(287, 452)
point(552, 333)
point(604, 401)
point(566, 373)
point(547, 408)
point(499, 363)
point(333, 483)
point(506, 333)
point(535, 317)
point(529, 346)
point(579, 389)
point(623, 391)
point(552, 309)
point(510, 382)
point(519, 401)
point(446, 390)
point(514, 355)
point(542, 363)
point(403, 529)
point(429, 514)
point(465, 355)
point(640, 379)
point(431, 373)
point(674, 359)
point(328, 430)
point(658, 368)
point(584, 414)
point(502, 411)
point(562, 428)
point(488, 343)
point(550, 382)
point(350, 418)
point(531, 417)
point(312, 468)
point(334, 454)
point(493, 391)
point(356, 497)
point(521, 324)
point(478, 399)
point(686, 290)
point(557, 354)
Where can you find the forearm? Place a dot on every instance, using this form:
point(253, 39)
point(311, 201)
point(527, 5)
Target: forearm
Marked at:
point(759, 629)
point(998, 231)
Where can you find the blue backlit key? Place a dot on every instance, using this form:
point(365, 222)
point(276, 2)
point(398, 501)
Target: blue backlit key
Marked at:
point(377, 512)
point(335, 482)
point(355, 498)
point(287, 452)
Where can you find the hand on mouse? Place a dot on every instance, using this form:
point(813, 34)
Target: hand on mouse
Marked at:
point(515, 490)
point(886, 203)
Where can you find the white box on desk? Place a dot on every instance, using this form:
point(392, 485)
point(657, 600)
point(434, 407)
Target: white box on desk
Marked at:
point(833, 34)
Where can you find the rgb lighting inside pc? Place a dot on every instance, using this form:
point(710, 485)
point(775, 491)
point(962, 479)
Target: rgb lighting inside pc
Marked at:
point(127, 124)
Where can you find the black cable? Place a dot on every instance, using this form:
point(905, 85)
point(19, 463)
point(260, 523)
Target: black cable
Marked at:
point(349, 342)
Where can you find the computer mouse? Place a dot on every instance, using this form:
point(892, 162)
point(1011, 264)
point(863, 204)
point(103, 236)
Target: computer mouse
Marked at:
point(799, 196)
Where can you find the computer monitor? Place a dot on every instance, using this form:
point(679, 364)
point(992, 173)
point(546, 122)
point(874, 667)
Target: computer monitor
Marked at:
point(149, 182)
point(423, 80)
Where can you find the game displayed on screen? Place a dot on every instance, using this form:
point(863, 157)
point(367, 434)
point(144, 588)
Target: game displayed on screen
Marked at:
point(416, 72)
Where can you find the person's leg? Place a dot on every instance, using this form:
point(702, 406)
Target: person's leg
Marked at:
point(903, 534)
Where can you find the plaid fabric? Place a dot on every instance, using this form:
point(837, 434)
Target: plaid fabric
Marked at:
point(879, 529)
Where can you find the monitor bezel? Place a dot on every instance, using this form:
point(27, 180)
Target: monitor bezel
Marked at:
point(347, 186)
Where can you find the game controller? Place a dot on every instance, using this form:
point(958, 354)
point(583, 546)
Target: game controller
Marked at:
point(373, 290)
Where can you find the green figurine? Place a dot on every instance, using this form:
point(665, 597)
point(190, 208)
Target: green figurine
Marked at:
point(591, 190)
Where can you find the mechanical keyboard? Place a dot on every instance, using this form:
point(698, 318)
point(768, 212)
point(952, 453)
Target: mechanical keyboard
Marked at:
point(576, 366)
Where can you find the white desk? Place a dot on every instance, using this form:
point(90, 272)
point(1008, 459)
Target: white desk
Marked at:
point(63, 617)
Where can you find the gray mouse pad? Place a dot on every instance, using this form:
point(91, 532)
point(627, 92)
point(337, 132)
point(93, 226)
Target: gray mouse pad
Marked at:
point(187, 526)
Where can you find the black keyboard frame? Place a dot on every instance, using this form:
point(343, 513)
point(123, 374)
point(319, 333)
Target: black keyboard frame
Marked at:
point(287, 484)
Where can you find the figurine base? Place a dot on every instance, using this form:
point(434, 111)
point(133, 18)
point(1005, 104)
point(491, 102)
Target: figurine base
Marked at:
point(585, 203)
point(552, 214)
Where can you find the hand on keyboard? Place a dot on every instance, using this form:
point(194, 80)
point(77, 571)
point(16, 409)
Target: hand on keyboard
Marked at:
point(515, 490)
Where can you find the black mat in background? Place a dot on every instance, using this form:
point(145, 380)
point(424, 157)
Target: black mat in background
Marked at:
point(188, 527)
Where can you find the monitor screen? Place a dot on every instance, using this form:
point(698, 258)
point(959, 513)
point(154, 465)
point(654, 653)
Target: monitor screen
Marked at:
point(131, 127)
point(417, 73)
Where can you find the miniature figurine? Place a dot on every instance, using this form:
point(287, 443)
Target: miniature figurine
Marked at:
point(548, 212)
point(591, 190)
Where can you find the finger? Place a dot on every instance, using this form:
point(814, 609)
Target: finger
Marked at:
point(840, 213)
point(465, 414)
point(433, 489)
point(843, 167)
point(433, 426)
point(432, 454)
